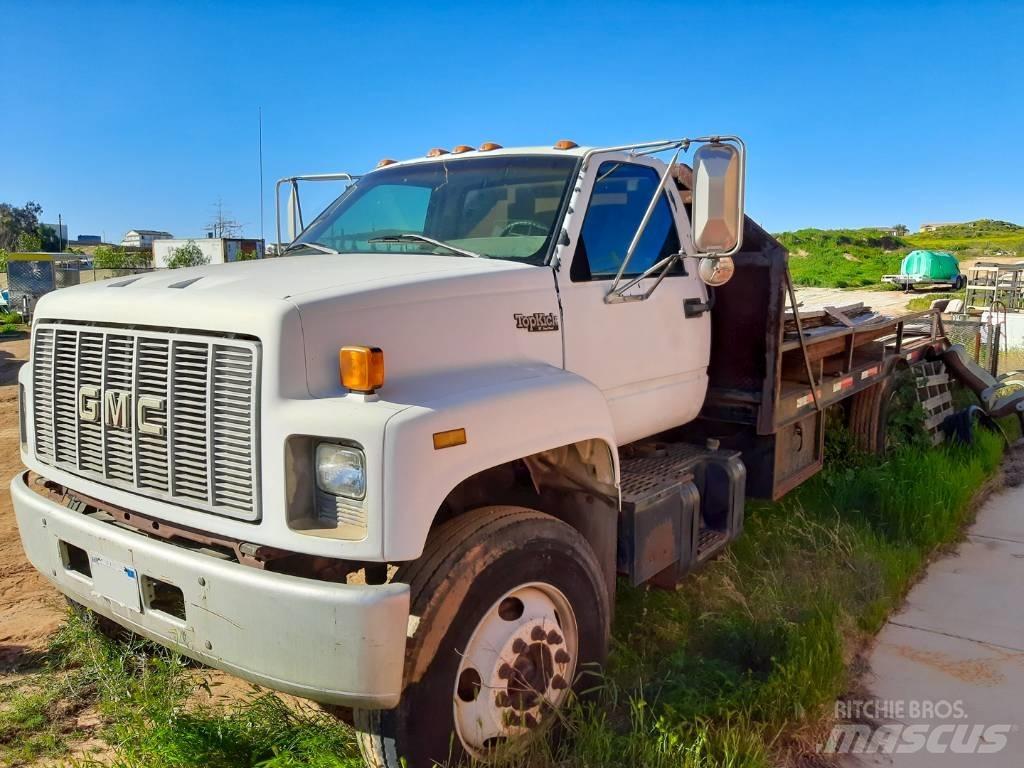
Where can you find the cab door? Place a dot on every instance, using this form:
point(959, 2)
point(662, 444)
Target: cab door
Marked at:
point(647, 357)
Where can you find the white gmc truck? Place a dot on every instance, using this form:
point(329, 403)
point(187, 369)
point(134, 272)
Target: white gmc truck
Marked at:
point(399, 469)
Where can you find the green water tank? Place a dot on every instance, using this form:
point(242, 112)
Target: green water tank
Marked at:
point(930, 265)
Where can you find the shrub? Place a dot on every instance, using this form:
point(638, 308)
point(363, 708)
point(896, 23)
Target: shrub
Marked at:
point(187, 255)
point(115, 257)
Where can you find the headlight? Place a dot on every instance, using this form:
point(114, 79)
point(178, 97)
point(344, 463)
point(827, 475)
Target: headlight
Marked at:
point(340, 470)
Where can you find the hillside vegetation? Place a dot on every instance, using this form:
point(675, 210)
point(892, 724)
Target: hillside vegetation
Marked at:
point(842, 258)
point(977, 239)
point(854, 258)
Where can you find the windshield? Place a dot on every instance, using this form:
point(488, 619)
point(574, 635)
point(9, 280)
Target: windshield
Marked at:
point(497, 207)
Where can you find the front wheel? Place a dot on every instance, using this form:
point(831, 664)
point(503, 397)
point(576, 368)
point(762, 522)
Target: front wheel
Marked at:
point(510, 614)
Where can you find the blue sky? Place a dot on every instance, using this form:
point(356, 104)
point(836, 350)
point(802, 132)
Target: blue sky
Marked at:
point(143, 115)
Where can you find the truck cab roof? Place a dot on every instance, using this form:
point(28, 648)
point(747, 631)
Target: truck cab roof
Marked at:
point(451, 155)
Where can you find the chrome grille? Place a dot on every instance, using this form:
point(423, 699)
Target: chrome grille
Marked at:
point(199, 449)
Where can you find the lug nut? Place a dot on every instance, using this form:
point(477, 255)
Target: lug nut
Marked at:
point(562, 656)
point(538, 633)
point(554, 638)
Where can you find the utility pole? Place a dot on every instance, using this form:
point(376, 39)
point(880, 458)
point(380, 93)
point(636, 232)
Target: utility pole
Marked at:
point(261, 172)
point(222, 225)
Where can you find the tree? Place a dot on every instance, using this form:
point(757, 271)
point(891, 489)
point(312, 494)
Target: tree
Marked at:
point(15, 221)
point(115, 257)
point(29, 242)
point(187, 255)
point(900, 229)
point(245, 255)
point(3, 260)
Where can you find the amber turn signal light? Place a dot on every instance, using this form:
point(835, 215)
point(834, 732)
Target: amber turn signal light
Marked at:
point(362, 368)
point(449, 438)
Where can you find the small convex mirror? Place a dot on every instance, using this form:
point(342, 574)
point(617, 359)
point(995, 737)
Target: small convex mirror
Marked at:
point(717, 271)
point(717, 198)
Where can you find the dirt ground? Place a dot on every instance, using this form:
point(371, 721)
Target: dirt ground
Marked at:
point(886, 302)
point(30, 609)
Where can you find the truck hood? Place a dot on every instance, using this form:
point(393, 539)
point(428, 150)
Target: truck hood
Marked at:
point(292, 276)
point(429, 313)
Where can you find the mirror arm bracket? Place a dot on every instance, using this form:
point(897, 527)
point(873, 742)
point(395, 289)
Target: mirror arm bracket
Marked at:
point(293, 182)
point(617, 293)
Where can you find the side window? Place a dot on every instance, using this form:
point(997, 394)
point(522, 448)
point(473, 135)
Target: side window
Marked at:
point(617, 205)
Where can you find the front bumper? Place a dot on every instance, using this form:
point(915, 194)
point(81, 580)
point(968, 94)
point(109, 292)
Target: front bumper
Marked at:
point(334, 643)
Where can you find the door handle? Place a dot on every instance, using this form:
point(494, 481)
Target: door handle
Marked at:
point(696, 307)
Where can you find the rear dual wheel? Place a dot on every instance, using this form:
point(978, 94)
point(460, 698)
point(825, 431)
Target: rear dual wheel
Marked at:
point(512, 617)
point(888, 414)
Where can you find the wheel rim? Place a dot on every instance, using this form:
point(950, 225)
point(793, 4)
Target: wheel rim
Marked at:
point(517, 668)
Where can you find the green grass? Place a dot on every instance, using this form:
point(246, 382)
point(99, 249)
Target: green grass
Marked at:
point(855, 258)
point(922, 302)
point(842, 258)
point(735, 669)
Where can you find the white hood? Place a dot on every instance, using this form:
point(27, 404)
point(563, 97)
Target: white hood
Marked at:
point(427, 312)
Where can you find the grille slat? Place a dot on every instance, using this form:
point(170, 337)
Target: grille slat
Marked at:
point(200, 392)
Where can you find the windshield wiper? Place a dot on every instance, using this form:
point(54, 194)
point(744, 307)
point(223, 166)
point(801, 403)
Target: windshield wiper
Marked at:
point(314, 246)
point(412, 237)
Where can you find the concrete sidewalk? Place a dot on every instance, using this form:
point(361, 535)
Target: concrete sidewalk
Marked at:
point(951, 661)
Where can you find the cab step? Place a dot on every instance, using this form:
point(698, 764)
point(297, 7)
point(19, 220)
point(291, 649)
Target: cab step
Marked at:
point(681, 504)
point(710, 543)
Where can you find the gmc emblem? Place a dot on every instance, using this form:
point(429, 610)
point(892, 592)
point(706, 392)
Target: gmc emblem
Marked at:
point(116, 410)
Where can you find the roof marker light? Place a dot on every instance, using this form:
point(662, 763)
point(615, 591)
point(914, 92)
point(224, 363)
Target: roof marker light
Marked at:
point(565, 144)
point(487, 146)
point(461, 148)
point(437, 152)
point(386, 161)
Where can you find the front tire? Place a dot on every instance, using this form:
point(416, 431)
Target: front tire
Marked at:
point(510, 614)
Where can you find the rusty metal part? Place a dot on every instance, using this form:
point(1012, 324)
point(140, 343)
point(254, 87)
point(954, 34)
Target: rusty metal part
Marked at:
point(803, 341)
point(246, 553)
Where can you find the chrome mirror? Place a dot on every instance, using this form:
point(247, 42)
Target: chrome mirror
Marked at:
point(294, 213)
point(717, 218)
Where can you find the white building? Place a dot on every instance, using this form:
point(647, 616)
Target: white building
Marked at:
point(219, 250)
point(143, 238)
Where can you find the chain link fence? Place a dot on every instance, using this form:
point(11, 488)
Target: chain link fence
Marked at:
point(31, 276)
point(988, 340)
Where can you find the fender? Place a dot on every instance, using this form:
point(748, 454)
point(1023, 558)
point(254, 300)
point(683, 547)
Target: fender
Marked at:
point(507, 412)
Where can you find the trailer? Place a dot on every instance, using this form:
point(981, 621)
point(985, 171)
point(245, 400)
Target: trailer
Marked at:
point(928, 269)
